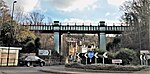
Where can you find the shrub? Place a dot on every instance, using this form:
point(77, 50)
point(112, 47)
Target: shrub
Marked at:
point(100, 51)
point(110, 57)
point(110, 67)
point(74, 65)
point(128, 56)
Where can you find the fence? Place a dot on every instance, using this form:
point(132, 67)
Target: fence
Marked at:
point(55, 61)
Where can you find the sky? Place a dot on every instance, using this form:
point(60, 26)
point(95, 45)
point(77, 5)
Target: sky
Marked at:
point(73, 10)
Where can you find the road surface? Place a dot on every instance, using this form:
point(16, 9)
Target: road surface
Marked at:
point(36, 70)
point(21, 70)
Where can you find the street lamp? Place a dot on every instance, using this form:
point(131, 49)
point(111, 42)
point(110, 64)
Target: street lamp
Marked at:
point(15, 1)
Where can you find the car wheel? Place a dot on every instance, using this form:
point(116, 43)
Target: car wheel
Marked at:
point(42, 64)
point(28, 64)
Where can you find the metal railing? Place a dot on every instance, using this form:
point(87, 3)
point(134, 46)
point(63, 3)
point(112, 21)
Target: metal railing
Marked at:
point(76, 28)
point(55, 61)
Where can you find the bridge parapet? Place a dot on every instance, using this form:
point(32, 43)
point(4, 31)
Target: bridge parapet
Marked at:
point(56, 26)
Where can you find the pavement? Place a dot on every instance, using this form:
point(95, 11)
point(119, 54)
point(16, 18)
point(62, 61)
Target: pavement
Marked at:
point(61, 69)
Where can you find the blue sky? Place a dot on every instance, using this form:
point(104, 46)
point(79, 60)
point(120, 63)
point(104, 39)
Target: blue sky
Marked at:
point(73, 10)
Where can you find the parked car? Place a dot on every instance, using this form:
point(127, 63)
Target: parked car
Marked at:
point(31, 61)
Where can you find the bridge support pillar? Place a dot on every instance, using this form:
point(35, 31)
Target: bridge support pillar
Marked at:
point(56, 36)
point(102, 41)
point(102, 36)
point(56, 41)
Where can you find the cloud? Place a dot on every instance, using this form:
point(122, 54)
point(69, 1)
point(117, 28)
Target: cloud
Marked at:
point(107, 14)
point(28, 5)
point(72, 21)
point(116, 2)
point(77, 20)
point(113, 22)
point(72, 5)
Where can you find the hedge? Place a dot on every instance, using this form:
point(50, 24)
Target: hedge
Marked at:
point(111, 67)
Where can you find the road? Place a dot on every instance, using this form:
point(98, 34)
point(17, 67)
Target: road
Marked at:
point(21, 70)
point(35, 70)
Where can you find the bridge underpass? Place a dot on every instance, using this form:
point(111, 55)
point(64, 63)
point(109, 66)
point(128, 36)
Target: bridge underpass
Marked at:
point(58, 29)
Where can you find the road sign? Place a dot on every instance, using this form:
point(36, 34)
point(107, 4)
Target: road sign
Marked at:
point(145, 57)
point(141, 57)
point(85, 55)
point(105, 55)
point(78, 55)
point(116, 61)
point(144, 51)
point(96, 55)
point(44, 52)
point(84, 50)
point(90, 54)
point(148, 56)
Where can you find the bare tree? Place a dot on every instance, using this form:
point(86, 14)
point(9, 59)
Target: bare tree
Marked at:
point(137, 14)
point(19, 14)
point(49, 20)
point(47, 41)
point(4, 12)
point(35, 18)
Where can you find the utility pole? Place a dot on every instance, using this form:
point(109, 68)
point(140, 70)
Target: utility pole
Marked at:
point(148, 22)
point(149, 29)
point(9, 34)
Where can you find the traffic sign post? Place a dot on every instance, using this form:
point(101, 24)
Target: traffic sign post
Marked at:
point(141, 58)
point(90, 55)
point(145, 59)
point(104, 56)
point(96, 57)
point(44, 52)
point(86, 57)
point(78, 57)
point(103, 60)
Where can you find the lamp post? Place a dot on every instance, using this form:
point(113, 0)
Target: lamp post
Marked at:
point(15, 1)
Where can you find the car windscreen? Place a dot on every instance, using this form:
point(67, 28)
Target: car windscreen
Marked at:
point(32, 58)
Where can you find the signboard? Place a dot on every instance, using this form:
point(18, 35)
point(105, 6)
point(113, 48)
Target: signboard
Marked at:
point(96, 55)
point(44, 52)
point(78, 55)
point(144, 52)
point(141, 57)
point(148, 56)
point(90, 54)
point(84, 50)
point(105, 55)
point(85, 55)
point(116, 61)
